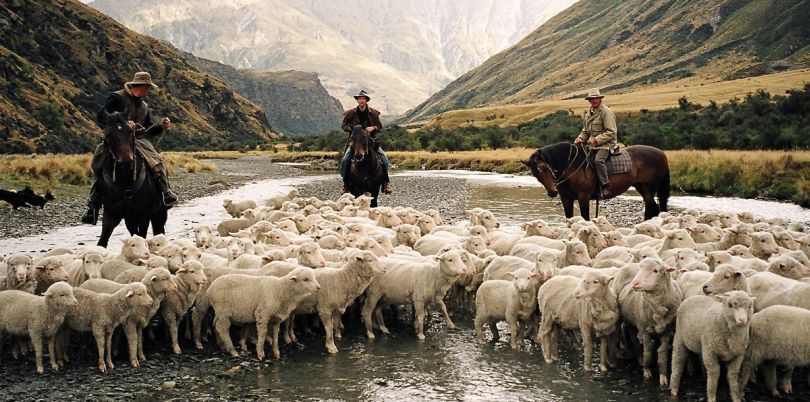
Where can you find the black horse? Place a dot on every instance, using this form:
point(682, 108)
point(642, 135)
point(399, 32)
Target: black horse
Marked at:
point(365, 170)
point(128, 190)
point(564, 169)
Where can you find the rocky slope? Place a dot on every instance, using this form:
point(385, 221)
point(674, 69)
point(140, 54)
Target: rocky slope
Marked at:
point(636, 43)
point(59, 59)
point(295, 102)
point(401, 51)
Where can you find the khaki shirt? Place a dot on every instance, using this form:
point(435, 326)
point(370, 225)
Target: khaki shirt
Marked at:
point(600, 124)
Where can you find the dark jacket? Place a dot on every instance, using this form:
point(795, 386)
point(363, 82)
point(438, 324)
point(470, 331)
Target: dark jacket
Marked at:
point(351, 119)
point(121, 106)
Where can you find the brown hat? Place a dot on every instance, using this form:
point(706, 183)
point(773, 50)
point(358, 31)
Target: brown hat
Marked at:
point(141, 78)
point(594, 94)
point(364, 95)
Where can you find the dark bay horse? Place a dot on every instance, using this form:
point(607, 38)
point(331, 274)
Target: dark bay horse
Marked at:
point(564, 169)
point(128, 190)
point(365, 169)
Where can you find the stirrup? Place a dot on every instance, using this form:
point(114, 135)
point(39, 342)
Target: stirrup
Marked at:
point(387, 189)
point(168, 198)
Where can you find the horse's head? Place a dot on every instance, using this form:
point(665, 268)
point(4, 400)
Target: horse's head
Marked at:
point(121, 143)
point(360, 144)
point(542, 171)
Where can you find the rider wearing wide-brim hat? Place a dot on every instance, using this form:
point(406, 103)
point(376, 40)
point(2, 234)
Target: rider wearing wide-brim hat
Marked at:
point(126, 109)
point(366, 118)
point(599, 131)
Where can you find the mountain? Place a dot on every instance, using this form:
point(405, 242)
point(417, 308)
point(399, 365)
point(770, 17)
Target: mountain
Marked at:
point(59, 60)
point(295, 102)
point(626, 45)
point(400, 51)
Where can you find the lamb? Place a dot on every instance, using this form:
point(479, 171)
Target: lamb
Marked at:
point(413, 282)
point(788, 267)
point(588, 304)
point(48, 271)
point(202, 235)
point(19, 275)
point(511, 300)
point(650, 302)
point(432, 244)
point(437, 217)
point(190, 278)
point(406, 235)
point(426, 224)
point(174, 256)
point(483, 217)
point(789, 346)
point(389, 219)
point(38, 317)
point(88, 268)
point(331, 242)
point(265, 300)
point(715, 258)
point(228, 226)
point(718, 331)
point(771, 289)
point(278, 201)
point(156, 243)
point(158, 283)
point(691, 283)
point(575, 253)
point(593, 239)
point(133, 250)
point(726, 278)
point(100, 314)
point(235, 208)
point(763, 245)
point(615, 238)
point(545, 266)
point(703, 233)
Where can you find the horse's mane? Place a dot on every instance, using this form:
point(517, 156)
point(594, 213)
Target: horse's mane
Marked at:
point(556, 155)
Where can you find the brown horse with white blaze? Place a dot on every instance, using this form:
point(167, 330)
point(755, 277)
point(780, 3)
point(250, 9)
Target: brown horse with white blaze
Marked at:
point(564, 169)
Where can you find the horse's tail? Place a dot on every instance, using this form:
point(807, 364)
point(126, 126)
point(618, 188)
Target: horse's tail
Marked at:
point(663, 192)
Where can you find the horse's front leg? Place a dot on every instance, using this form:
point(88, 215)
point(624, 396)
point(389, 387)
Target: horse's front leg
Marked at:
point(374, 193)
point(159, 222)
point(585, 207)
point(108, 224)
point(568, 205)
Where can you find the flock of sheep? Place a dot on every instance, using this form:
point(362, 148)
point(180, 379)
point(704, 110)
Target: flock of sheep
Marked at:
point(729, 288)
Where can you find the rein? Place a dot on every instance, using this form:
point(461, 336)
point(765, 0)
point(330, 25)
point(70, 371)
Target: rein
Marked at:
point(571, 173)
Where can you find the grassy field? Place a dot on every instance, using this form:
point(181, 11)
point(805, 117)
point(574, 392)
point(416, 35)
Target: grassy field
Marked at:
point(782, 175)
point(653, 98)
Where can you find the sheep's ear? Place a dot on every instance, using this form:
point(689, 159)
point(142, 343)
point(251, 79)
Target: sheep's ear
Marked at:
point(293, 278)
point(358, 257)
point(609, 278)
point(508, 275)
point(670, 269)
point(524, 226)
point(39, 267)
point(130, 293)
point(535, 275)
point(153, 278)
point(267, 258)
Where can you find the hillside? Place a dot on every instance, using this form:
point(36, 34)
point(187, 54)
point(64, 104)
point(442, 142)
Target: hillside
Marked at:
point(627, 45)
point(295, 102)
point(59, 59)
point(400, 51)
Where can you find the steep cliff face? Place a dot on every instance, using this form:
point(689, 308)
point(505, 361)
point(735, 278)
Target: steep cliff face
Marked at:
point(621, 45)
point(59, 59)
point(401, 51)
point(295, 102)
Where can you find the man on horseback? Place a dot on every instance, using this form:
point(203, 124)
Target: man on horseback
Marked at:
point(126, 108)
point(363, 117)
point(599, 132)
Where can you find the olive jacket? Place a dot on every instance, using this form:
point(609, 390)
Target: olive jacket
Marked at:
point(600, 124)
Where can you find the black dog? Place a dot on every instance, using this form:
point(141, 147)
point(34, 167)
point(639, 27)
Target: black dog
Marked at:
point(25, 198)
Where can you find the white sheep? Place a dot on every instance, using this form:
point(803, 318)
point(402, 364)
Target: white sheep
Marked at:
point(229, 226)
point(38, 317)
point(101, 314)
point(649, 302)
point(133, 250)
point(158, 283)
point(772, 289)
point(726, 278)
point(571, 303)
point(264, 300)
point(278, 201)
point(19, 274)
point(511, 300)
point(413, 282)
point(235, 208)
point(545, 266)
point(763, 245)
point(48, 271)
point(189, 278)
point(787, 266)
point(156, 243)
point(89, 267)
point(778, 338)
point(716, 328)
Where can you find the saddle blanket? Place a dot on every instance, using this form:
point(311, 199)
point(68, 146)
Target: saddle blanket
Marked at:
point(618, 164)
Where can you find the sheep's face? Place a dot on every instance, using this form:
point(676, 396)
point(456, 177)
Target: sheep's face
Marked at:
point(652, 273)
point(738, 250)
point(546, 264)
point(156, 243)
point(451, 264)
point(173, 254)
point(135, 247)
point(304, 278)
point(406, 234)
point(788, 267)
point(309, 255)
point(738, 307)
point(191, 254)
point(679, 238)
point(51, 270)
point(369, 264)
point(522, 279)
point(592, 236)
point(592, 283)
point(19, 267)
point(278, 237)
point(426, 224)
point(60, 294)
point(725, 279)
point(647, 229)
point(226, 203)
point(235, 248)
point(646, 252)
point(765, 243)
point(537, 227)
point(192, 272)
point(137, 295)
point(488, 220)
point(703, 233)
point(786, 240)
point(92, 265)
point(615, 238)
point(577, 254)
point(157, 261)
point(686, 256)
point(160, 280)
point(202, 235)
point(475, 244)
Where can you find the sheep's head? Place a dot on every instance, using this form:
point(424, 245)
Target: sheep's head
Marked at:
point(738, 307)
point(593, 283)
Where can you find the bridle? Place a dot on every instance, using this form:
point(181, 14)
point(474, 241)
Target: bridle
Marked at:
point(558, 177)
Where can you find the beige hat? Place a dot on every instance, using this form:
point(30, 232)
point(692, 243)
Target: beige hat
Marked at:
point(594, 94)
point(363, 94)
point(141, 78)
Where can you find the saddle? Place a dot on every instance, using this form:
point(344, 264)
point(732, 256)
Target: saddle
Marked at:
point(618, 162)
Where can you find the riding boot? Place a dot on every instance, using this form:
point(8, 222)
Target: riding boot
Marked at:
point(90, 216)
point(386, 183)
point(169, 199)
